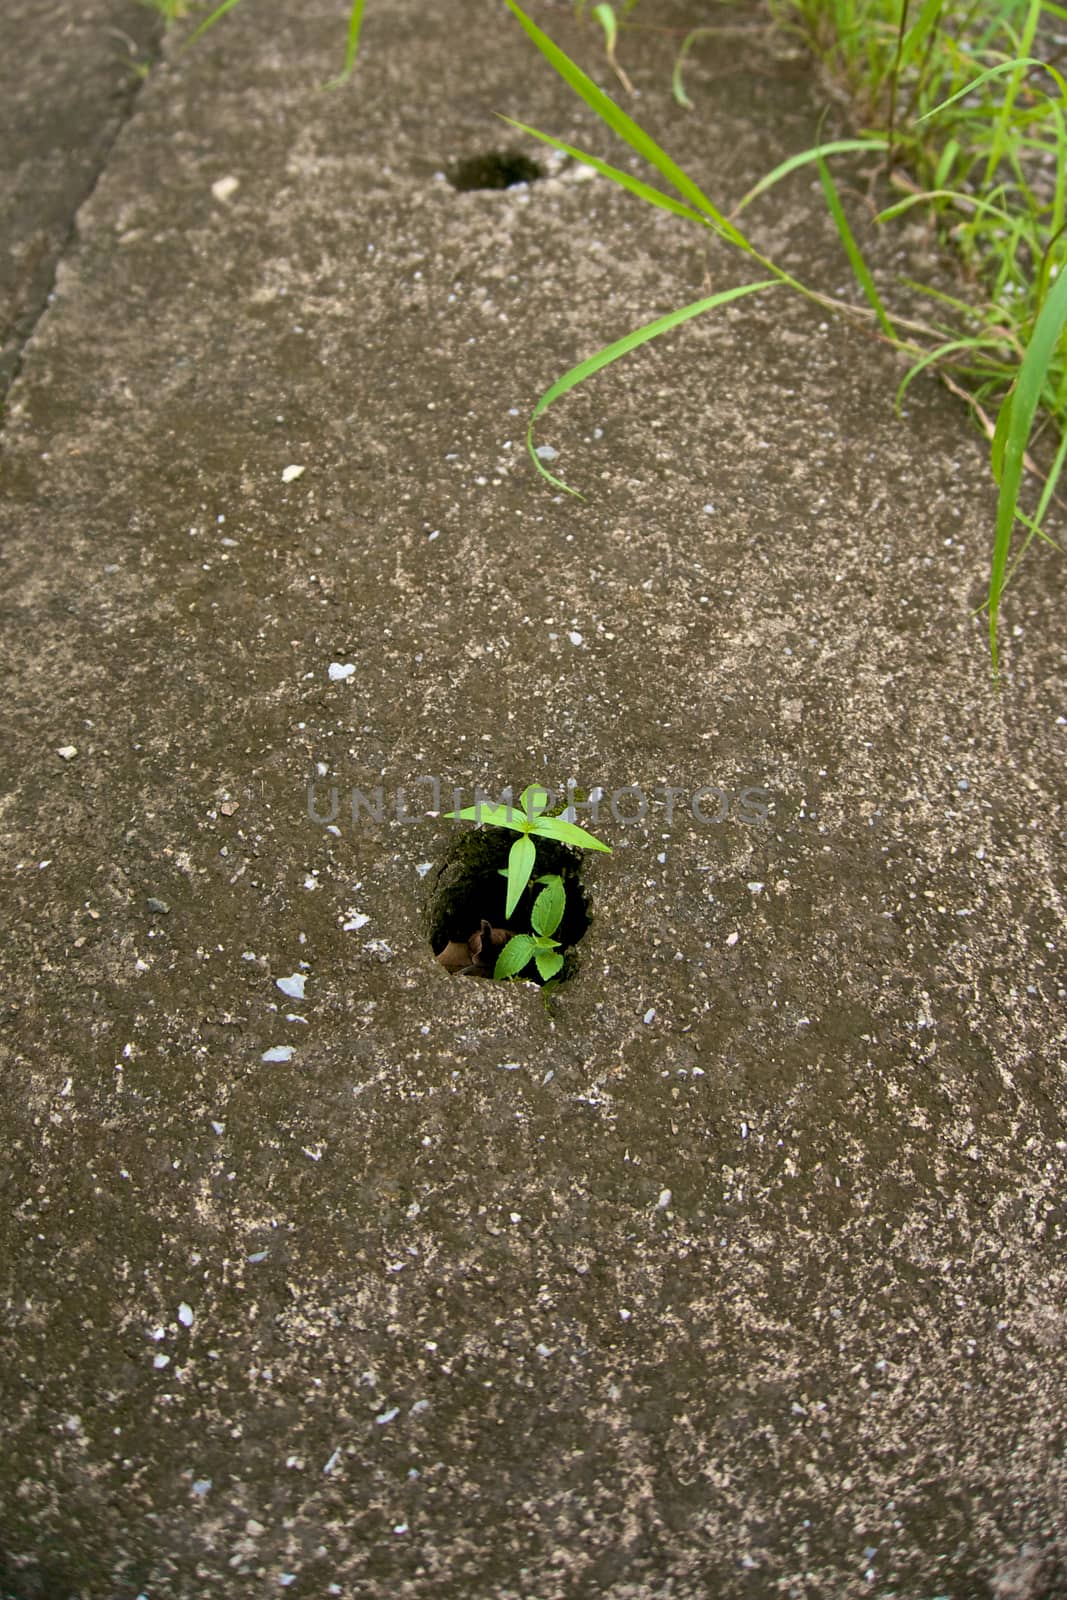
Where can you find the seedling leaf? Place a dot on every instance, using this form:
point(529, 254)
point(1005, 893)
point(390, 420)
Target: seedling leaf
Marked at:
point(548, 962)
point(493, 816)
point(514, 956)
point(606, 17)
point(209, 22)
point(520, 865)
point(533, 800)
point(548, 908)
point(569, 833)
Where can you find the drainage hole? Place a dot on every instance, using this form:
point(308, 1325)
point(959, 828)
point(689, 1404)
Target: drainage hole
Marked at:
point(496, 169)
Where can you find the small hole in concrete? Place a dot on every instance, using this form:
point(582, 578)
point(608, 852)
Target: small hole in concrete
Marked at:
point(468, 890)
point(496, 169)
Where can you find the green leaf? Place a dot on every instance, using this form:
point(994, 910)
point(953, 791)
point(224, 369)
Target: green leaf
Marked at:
point(677, 86)
point(950, 347)
point(1000, 436)
point(521, 859)
point(964, 202)
point(621, 347)
point(947, 163)
point(548, 962)
point(547, 990)
point(569, 833)
point(514, 956)
point(916, 35)
point(492, 816)
point(533, 800)
point(548, 908)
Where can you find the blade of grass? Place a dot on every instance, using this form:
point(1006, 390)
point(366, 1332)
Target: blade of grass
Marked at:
point(606, 17)
point(209, 22)
point(860, 269)
point(355, 23)
point(626, 128)
point(919, 31)
point(1009, 445)
point(984, 207)
point(946, 163)
point(677, 86)
point(894, 85)
point(637, 186)
point(931, 358)
point(835, 147)
point(995, 72)
point(1047, 493)
point(1033, 524)
point(621, 347)
point(1007, 106)
point(962, 306)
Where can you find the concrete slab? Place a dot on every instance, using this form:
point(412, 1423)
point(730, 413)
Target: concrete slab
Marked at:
point(737, 1268)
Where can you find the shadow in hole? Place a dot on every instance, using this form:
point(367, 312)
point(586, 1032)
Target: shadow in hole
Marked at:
point(496, 169)
point(468, 887)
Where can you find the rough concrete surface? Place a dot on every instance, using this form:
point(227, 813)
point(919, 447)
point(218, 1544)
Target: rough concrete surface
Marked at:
point(735, 1269)
point(68, 75)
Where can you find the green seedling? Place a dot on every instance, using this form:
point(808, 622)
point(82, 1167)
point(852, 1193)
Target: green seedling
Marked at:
point(530, 822)
point(539, 947)
point(609, 20)
point(169, 10)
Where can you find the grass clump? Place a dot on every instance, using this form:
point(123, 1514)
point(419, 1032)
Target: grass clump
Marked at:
point(974, 124)
point(995, 170)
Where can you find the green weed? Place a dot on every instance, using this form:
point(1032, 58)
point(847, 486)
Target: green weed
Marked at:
point(530, 821)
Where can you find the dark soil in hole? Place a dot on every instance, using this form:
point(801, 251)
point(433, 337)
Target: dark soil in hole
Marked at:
point(468, 889)
point(496, 169)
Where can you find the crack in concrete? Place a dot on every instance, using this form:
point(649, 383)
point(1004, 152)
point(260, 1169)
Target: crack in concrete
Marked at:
point(61, 120)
